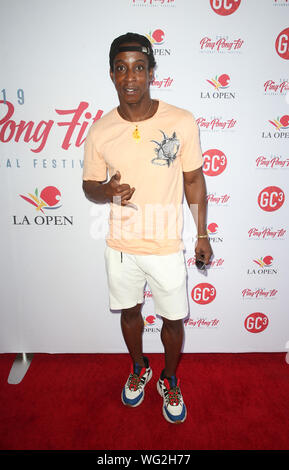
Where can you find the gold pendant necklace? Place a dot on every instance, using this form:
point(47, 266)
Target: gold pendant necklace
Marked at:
point(136, 134)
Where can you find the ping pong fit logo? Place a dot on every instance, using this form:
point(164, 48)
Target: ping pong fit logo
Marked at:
point(215, 124)
point(154, 3)
point(256, 322)
point(272, 161)
point(203, 293)
point(202, 323)
point(266, 233)
point(215, 263)
point(219, 201)
point(148, 294)
point(38, 133)
point(222, 44)
point(215, 162)
point(47, 199)
point(225, 7)
point(282, 44)
point(260, 293)
point(274, 88)
point(162, 83)
point(271, 198)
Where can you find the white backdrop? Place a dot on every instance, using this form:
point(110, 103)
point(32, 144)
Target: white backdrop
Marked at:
point(225, 61)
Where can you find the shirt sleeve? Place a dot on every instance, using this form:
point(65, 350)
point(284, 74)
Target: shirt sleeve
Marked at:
point(94, 165)
point(191, 152)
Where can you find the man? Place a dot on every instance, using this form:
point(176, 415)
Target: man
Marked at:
point(152, 152)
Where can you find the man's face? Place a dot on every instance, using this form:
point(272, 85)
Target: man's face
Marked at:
point(131, 75)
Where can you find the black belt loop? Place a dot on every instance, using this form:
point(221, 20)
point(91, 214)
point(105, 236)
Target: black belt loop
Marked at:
point(121, 256)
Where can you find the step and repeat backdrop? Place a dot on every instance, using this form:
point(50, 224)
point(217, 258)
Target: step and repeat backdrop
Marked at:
point(227, 62)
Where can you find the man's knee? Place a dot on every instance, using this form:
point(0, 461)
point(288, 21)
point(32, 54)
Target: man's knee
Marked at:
point(173, 325)
point(132, 313)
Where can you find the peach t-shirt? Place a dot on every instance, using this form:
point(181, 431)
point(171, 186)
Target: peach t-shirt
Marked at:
point(168, 145)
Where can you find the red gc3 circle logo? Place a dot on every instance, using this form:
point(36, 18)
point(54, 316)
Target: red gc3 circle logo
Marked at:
point(215, 162)
point(203, 293)
point(271, 198)
point(225, 7)
point(256, 322)
point(282, 44)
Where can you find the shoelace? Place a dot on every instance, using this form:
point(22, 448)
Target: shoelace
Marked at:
point(174, 396)
point(134, 381)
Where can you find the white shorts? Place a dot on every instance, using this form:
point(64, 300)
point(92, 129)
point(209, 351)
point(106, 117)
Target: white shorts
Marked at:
point(166, 276)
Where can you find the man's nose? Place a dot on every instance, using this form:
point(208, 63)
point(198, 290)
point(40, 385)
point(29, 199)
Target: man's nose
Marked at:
point(130, 74)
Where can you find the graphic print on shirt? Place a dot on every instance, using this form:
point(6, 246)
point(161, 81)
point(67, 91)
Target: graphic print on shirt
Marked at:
point(166, 150)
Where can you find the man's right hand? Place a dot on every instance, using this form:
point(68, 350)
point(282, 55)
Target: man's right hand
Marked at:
point(118, 193)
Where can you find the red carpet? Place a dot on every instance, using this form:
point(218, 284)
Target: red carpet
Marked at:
point(234, 401)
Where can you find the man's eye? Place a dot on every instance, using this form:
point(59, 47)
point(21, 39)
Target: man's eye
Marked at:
point(140, 68)
point(120, 68)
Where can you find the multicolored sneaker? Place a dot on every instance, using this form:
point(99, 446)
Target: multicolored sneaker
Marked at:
point(174, 409)
point(133, 392)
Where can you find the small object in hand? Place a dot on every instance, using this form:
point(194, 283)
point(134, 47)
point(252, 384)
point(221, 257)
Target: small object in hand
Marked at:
point(200, 265)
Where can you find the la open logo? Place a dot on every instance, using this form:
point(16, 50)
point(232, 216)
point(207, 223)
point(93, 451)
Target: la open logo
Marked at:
point(156, 37)
point(225, 7)
point(271, 198)
point(203, 293)
point(48, 198)
point(256, 322)
point(215, 162)
point(282, 44)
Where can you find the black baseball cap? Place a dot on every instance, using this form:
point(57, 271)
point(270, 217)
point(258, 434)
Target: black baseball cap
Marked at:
point(144, 46)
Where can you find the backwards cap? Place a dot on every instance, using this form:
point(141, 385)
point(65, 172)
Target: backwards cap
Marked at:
point(144, 46)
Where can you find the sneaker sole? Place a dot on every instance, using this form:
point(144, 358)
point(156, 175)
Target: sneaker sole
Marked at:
point(143, 395)
point(163, 409)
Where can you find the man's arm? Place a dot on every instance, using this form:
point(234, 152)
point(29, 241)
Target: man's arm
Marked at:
point(113, 191)
point(95, 191)
point(196, 196)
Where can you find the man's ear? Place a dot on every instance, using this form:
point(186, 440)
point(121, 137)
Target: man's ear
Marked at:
point(111, 75)
point(151, 74)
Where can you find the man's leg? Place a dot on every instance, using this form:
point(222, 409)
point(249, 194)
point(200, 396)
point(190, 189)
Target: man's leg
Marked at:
point(174, 409)
point(172, 335)
point(132, 326)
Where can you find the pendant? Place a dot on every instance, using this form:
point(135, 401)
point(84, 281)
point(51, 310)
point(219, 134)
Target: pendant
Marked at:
point(136, 134)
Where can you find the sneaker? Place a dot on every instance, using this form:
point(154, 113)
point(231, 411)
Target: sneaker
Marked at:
point(133, 392)
point(174, 409)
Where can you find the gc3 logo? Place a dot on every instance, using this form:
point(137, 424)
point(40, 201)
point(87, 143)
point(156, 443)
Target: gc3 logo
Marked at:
point(256, 322)
point(282, 44)
point(203, 293)
point(225, 7)
point(271, 198)
point(215, 162)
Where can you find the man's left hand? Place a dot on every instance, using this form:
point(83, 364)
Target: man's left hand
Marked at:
point(203, 250)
